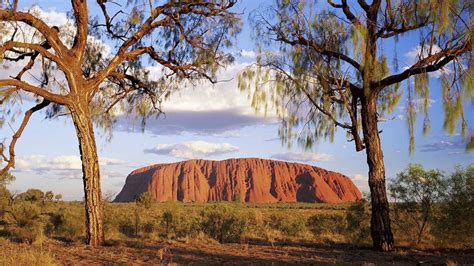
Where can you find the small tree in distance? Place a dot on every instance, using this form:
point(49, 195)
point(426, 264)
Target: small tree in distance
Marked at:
point(143, 201)
point(416, 191)
point(58, 197)
point(456, 214)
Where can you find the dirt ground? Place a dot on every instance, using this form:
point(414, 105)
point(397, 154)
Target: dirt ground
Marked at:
point(156, 253)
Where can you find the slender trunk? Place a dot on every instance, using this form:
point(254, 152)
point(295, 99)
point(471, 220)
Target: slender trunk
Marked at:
point(380, 223)
point(91, 174)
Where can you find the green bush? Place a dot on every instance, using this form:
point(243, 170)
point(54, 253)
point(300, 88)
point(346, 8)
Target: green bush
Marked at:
point(223, 223)
point(24, 222)
point(327, 223)
point(358, 222)
point(67, 224)
point(169, 221)
point(288, 225)
point(145, 200)
point(127, 228)
point(31, 195)
point(5, 199)
point(175, 223)
point(454, 222)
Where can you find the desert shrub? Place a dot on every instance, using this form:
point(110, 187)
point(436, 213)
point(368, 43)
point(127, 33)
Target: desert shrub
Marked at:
point(145, 200)
point(66, 223)
point(175, 223)
point(223, 223)
point(169, 221)
point(416, 191)
point(454, 223)
point(256, 223)
point(5, 199)
point(327, 224)
point(238, 198)
point(148, 228)
point(5, 195)
point(142, 203)
point(358, 222)
point(127, 228)
point(190, 226)
point(116, 218)
point(48, 196)
point(119, 220)
point(24, 222)
point(288, 225)
point(31, 195)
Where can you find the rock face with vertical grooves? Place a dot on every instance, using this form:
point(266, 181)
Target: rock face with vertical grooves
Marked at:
point(255, 180)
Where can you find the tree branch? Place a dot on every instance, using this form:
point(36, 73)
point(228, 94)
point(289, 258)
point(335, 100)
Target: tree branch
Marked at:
point(81, 15)
point(50, 34)
point(11, 150)
point(430, 64)
point(52, 97)
point(303, 41)
point(347, 11)
point(35, 47)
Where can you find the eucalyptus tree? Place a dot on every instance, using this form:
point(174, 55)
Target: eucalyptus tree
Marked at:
point(83, 78)
point(318, 83)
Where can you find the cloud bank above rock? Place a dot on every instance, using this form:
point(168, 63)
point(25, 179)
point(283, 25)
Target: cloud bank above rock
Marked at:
point(193, 149)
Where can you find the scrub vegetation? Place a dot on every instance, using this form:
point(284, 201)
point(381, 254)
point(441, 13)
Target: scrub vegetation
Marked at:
point(432, 213)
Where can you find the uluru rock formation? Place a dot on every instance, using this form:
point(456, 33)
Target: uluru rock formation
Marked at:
point(255, 180)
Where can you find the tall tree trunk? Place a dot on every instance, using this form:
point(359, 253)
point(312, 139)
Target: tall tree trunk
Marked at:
point(381, 231)
point(91, 174)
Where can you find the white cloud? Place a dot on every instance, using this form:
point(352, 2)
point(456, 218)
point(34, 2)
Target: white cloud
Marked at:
point(418, 106)
point(203, 108)
point(419, 53)
point(193, 149)
point(51, 17)
point(303, 157)
point(68, 166)
point(441, 145)
point(361, 181)
point(225, 95)
point(248, 54)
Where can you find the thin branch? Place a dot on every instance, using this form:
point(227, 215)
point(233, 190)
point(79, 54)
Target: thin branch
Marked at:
point(11, 160)
point(430, 64)
point(52, 97)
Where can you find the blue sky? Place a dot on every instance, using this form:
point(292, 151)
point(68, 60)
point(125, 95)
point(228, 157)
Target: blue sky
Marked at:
point(218, 123)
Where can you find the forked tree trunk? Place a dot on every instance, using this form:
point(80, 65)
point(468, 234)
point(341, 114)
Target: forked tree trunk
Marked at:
point(91, 174)
point(380, 222)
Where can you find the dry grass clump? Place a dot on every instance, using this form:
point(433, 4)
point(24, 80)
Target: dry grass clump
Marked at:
point(24, 255)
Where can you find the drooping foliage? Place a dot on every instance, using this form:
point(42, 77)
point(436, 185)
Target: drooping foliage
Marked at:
point(312, 64)
point(325, 67)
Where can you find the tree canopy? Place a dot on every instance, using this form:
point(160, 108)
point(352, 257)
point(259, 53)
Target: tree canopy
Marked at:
point(316, 60)
point(325, 68)
point(98, 66)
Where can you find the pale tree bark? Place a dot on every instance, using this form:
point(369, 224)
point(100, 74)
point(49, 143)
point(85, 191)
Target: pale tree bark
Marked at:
point(381, 232)
point(91, 173)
